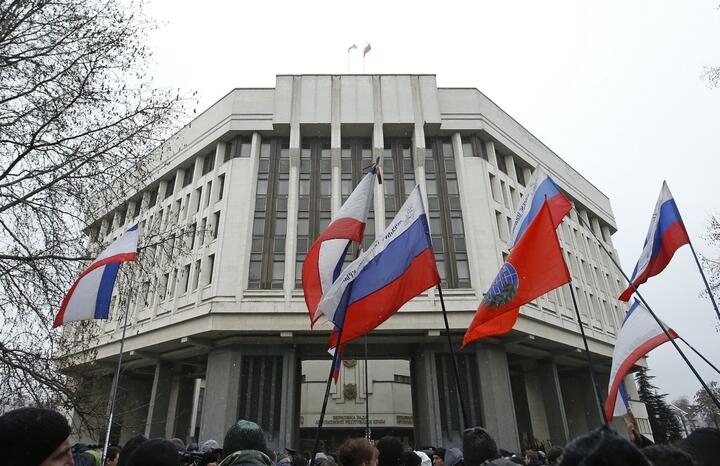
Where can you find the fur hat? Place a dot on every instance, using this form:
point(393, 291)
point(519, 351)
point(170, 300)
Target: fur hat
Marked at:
point(478, 446)
point(28, 436)
point(390, 451)
point(155, 452)
point(602, 446)
point(244, 435)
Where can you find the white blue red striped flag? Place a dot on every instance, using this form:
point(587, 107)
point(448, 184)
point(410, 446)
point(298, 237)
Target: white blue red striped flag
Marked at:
point(89, 297)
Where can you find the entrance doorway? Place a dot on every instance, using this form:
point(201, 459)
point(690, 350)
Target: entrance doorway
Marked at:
point(388, 396)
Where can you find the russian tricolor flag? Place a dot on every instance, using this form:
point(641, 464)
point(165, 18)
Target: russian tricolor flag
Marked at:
point(398, 266)
point(665, 236)
point(327, 254)
point(540, 188)
point(89, 297)
point(638, 335)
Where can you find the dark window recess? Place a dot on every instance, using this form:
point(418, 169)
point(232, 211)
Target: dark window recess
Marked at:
point(445, 214)
point(138, 205)
point(501, 162)
point(170, 187)
point(355, 160)
point(261, 384)
point(208, 162)
point(238, 147)
point(450, 411)
point(473, 146)
point(221, 187)
point(398, 175)
point(188, 175)
point(267, 253)
point(520, 172)
point(402, 379)
point(314, 201)
point(153, 198)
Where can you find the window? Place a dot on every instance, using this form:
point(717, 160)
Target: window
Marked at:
point(210, 265)
point(355, 158)
point(520, 172)
point(314, 201)
point(188, 175)
point(190, 236)
point(198, 199)
point(152, 200)
point(221, 187)
point(398, 175)
point(164, 286)
point(444, 213)
point(267, 251)
point(216, 224)
point(208, 192)
point(136, 210)
point(473, 146)
point(185, 278)
point(208, 162)
point(238, 147)
point(402, 379)
point(170, 187)
point(203, 231)
point(501, 162)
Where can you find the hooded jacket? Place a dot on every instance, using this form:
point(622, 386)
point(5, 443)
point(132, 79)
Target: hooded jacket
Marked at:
point(247, 458)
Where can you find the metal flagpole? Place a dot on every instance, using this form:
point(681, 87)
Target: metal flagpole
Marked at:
point(452, 353)
point(116, 379)
point(336, 355)
point(367, 395)
point(652, 313)
point(707, 285)
point(698, 353)
point(353, 46)
point(593, 374)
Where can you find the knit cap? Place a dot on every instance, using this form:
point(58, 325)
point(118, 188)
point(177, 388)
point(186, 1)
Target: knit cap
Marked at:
point(28, 436)
point(244, 435)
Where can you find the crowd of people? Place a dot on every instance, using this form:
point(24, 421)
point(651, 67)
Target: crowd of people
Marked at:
point(41, 437)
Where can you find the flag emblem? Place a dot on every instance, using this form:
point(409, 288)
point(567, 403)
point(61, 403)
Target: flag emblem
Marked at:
point(504, 288)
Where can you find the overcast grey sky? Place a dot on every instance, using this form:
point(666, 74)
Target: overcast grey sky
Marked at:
point(613, 87)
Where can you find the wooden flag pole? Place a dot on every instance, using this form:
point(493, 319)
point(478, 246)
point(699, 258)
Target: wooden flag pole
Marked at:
point(652, 313)
point(593, 374)
point(455, 366)
point(116, 378)
point(336, 355)
point(367, 395)
point(707, 285)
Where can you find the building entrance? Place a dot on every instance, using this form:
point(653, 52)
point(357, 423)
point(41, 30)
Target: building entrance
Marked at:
point(387, 393)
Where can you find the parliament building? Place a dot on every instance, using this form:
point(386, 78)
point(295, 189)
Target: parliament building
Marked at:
point(219, 330)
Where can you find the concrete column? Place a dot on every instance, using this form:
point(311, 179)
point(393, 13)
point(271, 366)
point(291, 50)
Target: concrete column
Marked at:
point(536, 403)
point(172, 406)
point(290, 400)
point(292, 210)
point(426, 407)
point(159, 400)
point(335, 146)
point(220, 404)
point(183, 409)
point(131, 408)
point(497, 402)
point(557, 424)
point(378, 146)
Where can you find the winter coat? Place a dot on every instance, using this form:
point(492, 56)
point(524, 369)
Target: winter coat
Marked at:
point(247, 458)
point(498, 462)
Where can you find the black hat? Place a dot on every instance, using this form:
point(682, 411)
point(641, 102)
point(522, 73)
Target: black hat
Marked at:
point(478, 446)
point(602, 446)
point(244, 435)
point(439, 452)
point(155, 452)
point(702, 444)
point(130, 446)
point(389, 451)
point(28, 436)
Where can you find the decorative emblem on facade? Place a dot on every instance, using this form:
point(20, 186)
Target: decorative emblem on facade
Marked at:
point(350, 391)
point(349, 363)
point(503, 288)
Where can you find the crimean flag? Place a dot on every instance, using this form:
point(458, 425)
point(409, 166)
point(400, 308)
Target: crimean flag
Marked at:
point(534, 267)
point(367, 49)
point(541, 188)
point(89, 297)
point(666, 235)
point(638, 335)
point(327, 255)
point(398, 266)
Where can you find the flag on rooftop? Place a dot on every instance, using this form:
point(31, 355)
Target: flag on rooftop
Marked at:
point(540, 188)
point(638, 335)
point(398, 266)
point(665, 236)
point(367, 49)
point(327, 254)
point(89, 297)
point(535, 266)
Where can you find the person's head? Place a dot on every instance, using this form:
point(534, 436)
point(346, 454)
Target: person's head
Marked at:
point(130, 446)
point(155, 452)
point(35, 437)
point(602, 446)
point(438, 457)
point(244, 435)
point(554, 456)
point(389, 451)
point(290, 452)
point(703, 445)
point(531, 457)
point(666, 455)
point(299, 460)
point(424, 458)
point(409, 458)
point(357, 452)
point(113, 454)
point(453, 457)
point(478, 446)
point(179, 444)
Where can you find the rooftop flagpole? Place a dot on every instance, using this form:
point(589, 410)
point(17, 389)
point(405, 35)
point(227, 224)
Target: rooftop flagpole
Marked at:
point(707, 285)
point(351, 48)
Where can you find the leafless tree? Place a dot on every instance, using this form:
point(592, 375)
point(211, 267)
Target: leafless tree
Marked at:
point(79, 117)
